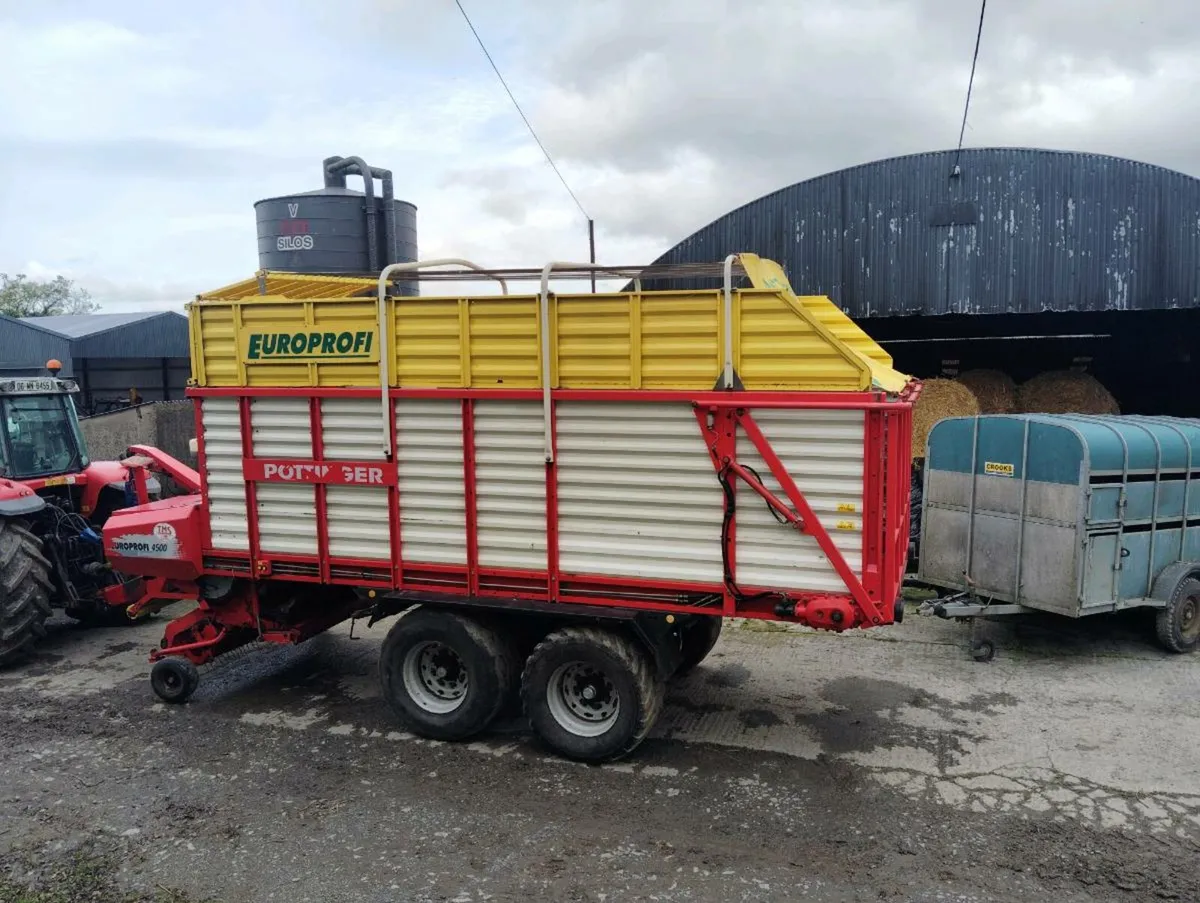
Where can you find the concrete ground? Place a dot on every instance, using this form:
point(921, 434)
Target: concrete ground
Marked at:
point(878, 765)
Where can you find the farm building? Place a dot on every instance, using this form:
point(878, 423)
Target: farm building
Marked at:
point(116, 358)
point(1013, 259)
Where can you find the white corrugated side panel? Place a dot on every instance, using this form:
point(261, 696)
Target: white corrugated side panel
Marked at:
point(638, 495)
point(429, 453)
point(357, 515)
point(823, 453)
point(510, 484)
point(287, 513)
point(223, 474)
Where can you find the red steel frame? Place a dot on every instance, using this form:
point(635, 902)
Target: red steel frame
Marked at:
point(720, 416)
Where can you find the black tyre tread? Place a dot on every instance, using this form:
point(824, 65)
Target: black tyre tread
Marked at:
point(488, 638)
point(501, 651)
point(187, 672)
point(650, 689)
point(25, 588)
point(1164, 621)
point(699, 639)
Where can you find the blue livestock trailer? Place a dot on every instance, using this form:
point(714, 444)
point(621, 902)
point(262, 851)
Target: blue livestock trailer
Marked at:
point(1069, 514)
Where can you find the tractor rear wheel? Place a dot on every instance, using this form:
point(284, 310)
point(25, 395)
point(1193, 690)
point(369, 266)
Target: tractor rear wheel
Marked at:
point(25, 588)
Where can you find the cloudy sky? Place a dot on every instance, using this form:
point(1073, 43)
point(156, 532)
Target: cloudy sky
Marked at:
point(135, 136)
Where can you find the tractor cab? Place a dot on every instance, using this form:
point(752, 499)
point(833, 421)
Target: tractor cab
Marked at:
point(39, 429)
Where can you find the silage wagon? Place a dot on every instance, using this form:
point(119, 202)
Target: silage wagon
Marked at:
point(562, 493)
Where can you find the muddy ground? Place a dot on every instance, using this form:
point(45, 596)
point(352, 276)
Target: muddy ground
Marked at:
point(882, 765)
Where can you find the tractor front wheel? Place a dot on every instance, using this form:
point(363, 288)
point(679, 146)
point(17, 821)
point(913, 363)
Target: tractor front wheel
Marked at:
point(25, 588)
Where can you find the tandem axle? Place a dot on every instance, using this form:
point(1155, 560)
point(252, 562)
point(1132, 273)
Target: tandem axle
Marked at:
point(591, 680)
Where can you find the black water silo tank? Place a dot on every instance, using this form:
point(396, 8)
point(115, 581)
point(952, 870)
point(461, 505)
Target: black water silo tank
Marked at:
point(325, 231)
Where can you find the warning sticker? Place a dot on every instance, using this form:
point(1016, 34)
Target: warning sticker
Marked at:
point(847, 507)
point(847, 525)
point(998, 469)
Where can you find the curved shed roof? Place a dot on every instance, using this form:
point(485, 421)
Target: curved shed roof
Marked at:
point(988, 230)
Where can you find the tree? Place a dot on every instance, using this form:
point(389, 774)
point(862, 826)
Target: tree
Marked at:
point(21, 296)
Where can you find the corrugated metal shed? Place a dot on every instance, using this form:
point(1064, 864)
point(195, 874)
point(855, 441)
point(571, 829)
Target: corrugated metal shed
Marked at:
point(25, 347)
point(1007, 230)
point(116, 358)
point(146, 334)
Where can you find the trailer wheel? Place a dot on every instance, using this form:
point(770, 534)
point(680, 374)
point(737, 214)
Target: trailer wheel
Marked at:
point(590, 694)
point(1178, 625)
point(983, 651)
point(25, 588)
point(697, 641)
point(174, 680)
point(446, 676)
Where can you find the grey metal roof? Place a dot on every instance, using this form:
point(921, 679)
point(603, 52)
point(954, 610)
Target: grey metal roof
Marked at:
point(145, 334)
point(25, 347)
point(79, 325)
point(1015, 230)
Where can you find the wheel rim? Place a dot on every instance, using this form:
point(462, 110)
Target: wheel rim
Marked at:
point(435, 677)
point(1189, 618)
point(582, 699)
point(172, 680)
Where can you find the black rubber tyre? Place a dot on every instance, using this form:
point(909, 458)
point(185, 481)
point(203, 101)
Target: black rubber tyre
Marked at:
point(25, 589)
point(446, 676)
point(174, 680)
point(697, 641)
point(590, 694)
point(1178, 625)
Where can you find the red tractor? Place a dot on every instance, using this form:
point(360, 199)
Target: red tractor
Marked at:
point(53, 503)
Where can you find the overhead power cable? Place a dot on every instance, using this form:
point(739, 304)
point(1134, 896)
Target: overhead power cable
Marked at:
point(524, 118)
point(970, 83)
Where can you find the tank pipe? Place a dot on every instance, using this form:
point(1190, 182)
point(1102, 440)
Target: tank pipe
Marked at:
point(385, 350)
point(349, 164)
point(544, 316)
point(390, 249)
point(333, 179)
point(337, 179)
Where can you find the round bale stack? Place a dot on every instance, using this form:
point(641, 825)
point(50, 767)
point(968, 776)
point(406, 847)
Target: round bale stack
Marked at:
point(993, 389)
point(1065, 392)
point(939, 399)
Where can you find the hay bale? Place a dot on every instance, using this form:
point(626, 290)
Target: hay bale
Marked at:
point(994, 390)
point(939, 399)
point(1065, 392)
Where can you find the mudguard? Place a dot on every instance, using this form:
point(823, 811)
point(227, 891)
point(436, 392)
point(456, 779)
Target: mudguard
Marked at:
point(101, 475)
point(18, 500)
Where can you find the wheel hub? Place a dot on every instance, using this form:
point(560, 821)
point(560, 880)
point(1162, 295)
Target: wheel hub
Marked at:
point(435, 677)
point(582, 699)
point(1189, 617)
